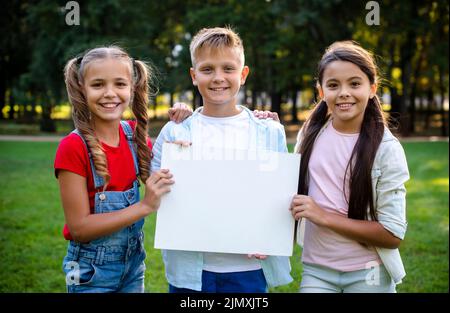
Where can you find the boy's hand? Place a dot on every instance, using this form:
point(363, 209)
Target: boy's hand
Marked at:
point(266, 114)
point(179, 112)
point(257, 256)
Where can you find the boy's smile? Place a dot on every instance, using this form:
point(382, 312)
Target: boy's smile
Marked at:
point(218, 89)
point(219, 74)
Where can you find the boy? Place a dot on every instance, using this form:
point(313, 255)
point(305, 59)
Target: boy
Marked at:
point(218, 70)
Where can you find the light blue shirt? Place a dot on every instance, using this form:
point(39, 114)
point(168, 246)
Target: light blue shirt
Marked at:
point(184, 268)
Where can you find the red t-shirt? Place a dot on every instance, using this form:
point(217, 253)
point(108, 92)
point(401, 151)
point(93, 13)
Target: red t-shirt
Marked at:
point(72, 156)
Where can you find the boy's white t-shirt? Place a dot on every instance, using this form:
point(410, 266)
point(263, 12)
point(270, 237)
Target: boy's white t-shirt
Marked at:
point(223, 132)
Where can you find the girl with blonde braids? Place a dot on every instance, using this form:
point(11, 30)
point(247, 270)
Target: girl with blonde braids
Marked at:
point(98, 166)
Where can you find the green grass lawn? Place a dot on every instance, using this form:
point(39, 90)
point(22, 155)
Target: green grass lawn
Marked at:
point(31, 220)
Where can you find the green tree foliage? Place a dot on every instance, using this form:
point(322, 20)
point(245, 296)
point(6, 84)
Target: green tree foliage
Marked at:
point(283, 41)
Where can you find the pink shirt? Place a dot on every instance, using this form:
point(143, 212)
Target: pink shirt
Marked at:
point(327, 166)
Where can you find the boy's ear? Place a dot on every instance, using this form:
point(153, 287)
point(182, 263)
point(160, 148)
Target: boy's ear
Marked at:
point(244, 74)
point(192, 73)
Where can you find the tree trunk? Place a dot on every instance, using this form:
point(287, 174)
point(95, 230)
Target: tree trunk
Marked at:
point(12, 102)
point(275, 99)
point(21, 114)
point(404, 99)
point(47, 124)
point(294, 107)
point(412, 97)
point(412, 108)
point(155, 105)
point(254, 99)
point(394, 119)
point(444, 118)
point(430, 109)
point(394, 113)
point(2, 97)
point(406, 56)
point(171, 99)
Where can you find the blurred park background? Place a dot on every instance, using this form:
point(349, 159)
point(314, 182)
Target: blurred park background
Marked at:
point(283, 41)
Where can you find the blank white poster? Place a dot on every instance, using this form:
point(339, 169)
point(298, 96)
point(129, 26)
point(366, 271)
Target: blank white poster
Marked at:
point(231, 201)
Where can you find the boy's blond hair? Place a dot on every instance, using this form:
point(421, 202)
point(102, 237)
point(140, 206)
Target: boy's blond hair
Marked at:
point(216, 38)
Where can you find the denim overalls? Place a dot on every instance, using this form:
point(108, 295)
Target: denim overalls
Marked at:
point(113, 263)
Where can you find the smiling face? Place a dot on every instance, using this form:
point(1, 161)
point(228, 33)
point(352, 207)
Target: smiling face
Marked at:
point(107, 87)
point(346, 89)
point(219, 74)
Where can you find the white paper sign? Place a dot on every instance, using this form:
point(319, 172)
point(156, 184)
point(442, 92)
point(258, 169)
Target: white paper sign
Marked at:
point(230, 201)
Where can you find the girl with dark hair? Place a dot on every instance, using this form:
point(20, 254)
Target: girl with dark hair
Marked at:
point(98, 166)
point(351, 201)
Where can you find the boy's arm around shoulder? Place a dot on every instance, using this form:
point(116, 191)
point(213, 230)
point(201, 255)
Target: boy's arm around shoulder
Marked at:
point(277, 136)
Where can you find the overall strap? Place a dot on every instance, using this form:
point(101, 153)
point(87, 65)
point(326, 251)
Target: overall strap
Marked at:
point(98, 180)
point(129, 134)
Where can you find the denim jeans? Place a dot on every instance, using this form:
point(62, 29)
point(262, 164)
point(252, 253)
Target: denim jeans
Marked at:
point(239, 282)
point(113, 263)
